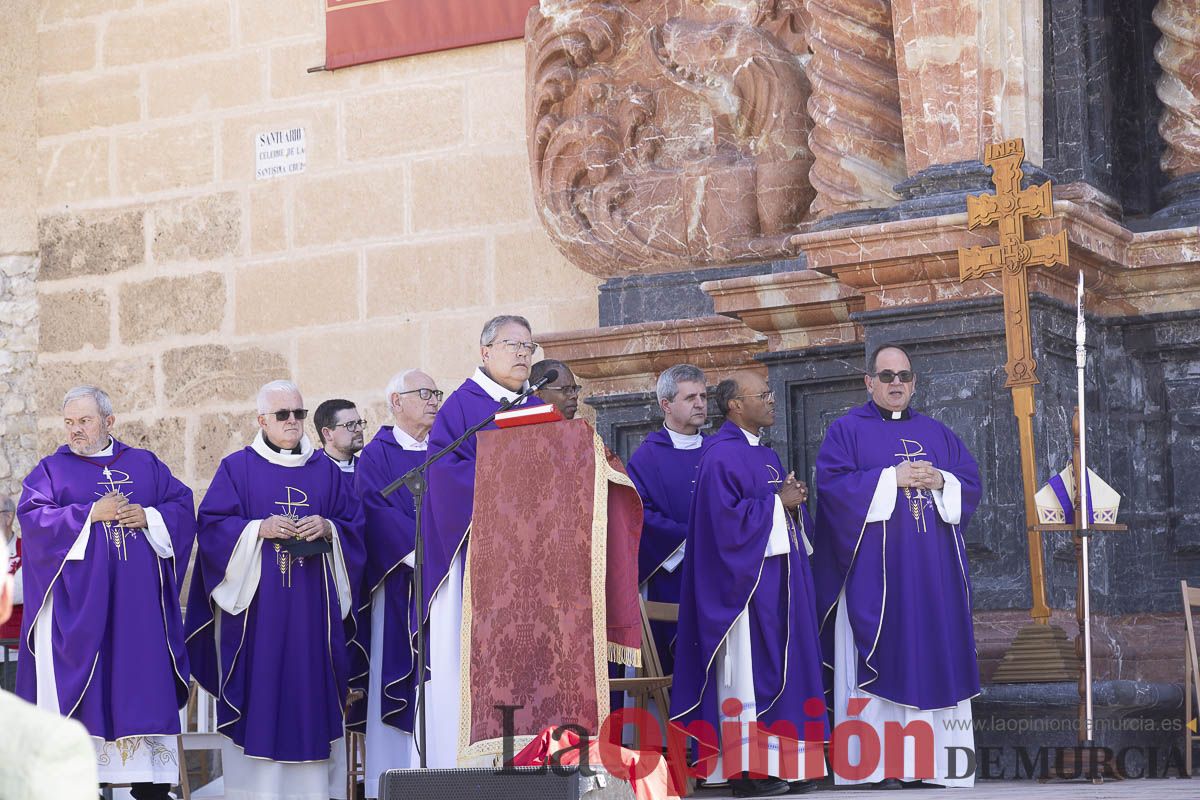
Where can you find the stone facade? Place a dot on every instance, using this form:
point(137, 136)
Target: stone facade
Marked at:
point(167, 273)
point(1104, 96)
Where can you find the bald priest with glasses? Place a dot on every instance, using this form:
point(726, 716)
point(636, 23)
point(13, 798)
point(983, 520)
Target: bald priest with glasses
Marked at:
point(278, 542)
point(895, 489)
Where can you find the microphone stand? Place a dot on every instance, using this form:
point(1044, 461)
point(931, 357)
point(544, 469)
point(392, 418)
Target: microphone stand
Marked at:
point(417, 484)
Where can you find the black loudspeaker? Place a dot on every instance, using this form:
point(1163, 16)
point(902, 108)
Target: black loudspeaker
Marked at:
point(521, 783)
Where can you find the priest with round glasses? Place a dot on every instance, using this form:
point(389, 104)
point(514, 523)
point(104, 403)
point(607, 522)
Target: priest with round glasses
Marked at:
point(277, 548)
point(506, 349)
point(895, 489)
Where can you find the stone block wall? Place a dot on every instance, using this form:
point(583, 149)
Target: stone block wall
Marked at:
point(174, 278)
point(18, 243)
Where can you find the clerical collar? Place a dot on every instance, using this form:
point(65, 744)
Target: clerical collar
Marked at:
point(273, 454)
point(344, 466)
point(494, 390)
point(108, 451)
point(891, 416)
point(684, 441)
point(750, 437)
point(407, 442)
point(294, 451)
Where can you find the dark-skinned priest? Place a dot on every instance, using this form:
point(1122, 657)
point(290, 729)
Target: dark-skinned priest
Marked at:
point(107, 533)
point(747, 654)
point(278, 543)
point(895, 491)
point(506, 349)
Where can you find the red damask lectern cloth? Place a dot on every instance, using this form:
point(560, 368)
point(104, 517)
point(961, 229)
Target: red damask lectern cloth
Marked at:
point(550, 595)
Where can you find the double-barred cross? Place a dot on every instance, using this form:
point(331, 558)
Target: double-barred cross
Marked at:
point(1010, 206)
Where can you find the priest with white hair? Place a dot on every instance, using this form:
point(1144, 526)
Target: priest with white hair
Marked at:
point(390, 536)
point(279, 537)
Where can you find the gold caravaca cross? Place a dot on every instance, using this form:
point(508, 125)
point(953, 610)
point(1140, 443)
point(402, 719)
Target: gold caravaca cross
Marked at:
point(1009, 207)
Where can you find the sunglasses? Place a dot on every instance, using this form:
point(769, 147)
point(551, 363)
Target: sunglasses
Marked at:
point(888, 376)
point(282, 414)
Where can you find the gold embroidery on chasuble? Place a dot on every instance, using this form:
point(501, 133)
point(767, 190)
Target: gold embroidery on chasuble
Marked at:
point(114, 480)
point(917, 500)
point(293, 499)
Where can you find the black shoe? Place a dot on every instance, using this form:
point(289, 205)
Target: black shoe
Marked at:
point(888, 783)
point(801, 787)
point(758, 787)
point(150, 791)
point(921, 785)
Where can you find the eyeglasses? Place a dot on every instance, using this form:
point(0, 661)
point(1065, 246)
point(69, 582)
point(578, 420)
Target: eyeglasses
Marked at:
point(283, 413)
point(766, 397)
point(513, 346)
point(568, 391)
point(889, 376)
point(352, 425)
point(425, 394)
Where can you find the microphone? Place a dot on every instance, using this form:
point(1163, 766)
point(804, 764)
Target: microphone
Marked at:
point(549, 377)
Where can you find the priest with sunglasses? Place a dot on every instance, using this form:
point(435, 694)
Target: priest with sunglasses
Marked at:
point(279, 548)
point(895, 489)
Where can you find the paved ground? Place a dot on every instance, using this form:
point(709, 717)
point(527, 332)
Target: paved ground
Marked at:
point(1167, 789)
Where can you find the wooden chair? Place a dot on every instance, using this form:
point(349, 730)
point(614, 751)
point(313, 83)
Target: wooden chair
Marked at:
point(1191, 678)
point(651, 685)
point(356, 753)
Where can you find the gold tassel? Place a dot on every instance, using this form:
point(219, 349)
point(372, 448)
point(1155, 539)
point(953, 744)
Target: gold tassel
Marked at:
point(620, 654)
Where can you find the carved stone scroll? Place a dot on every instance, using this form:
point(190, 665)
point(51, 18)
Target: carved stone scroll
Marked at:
point(666, 134)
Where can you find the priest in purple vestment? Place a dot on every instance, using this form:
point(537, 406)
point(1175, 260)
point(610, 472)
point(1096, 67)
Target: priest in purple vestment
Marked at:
point(108, 531)
point(506, 349)
point(747, 658)
point(663, 470)
point(895, 491)
point(387, 612)
point(279, 537)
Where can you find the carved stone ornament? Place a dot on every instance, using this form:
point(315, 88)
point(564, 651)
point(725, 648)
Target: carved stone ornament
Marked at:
point(668, 134)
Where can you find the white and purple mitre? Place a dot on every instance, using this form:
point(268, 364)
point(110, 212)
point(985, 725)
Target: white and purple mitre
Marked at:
point(1056, 500)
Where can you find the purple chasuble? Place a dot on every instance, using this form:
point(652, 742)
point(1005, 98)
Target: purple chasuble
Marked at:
point(119, 659)
point(726, 571)
point(451, 495)
point(665, 478)
point(390, 529)
point(908, 589)
point(279, 671)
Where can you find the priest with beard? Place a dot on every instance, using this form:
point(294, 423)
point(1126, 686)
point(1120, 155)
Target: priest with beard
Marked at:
point(663, 470)
point(388, 612)
point(506, 349)
point(279, 548)
point(747, 656)
point(895, 491)
point(107, 531)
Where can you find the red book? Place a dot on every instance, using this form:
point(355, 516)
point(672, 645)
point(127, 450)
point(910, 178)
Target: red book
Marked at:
point(530, 415)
